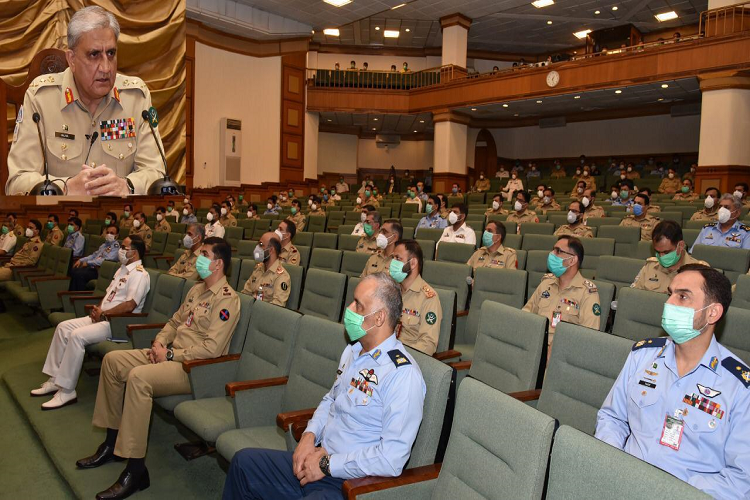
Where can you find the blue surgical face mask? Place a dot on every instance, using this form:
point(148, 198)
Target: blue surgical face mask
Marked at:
point(353, 324)
point(488, 239)
point(638, 209)
point(555, 265)
point(677, 321)
point(397, 271)
point(201, 265)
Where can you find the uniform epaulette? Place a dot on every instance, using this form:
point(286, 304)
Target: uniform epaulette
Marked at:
point(710, 224)
point(259, 264)
point(738, 369)
point(45, 81)
point(549, 276)
point(123, 82)
point(744, 227)
point(652, 259)
point(139, 268)
point(398, 358)
point(429, 292)
point(655, 342)
point(591, 286)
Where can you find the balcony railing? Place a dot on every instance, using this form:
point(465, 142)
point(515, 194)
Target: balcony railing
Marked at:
point(382, 80)
point(725, 20)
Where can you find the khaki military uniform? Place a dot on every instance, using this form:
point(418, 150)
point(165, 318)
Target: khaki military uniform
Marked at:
point(482, 185)
point(746, 202)
point(670, 186)
point(594, 211)
point(656, 278)
point(228, 220)
point(201, 328)
point(299, 220)
point(145, 233)
point(680, 196)
point(503, 258)
point(632, 175)
point(577, 304)
point(551, 206)
point(647, 224)
point(285, 203)
point(377, 263)
point(55, 237)
point(318, 212)
point(27, 256)
point(126, 223)
point(185, 265)
point(444, 212)
point(125, 143)
point(557, 174)
point(163, 226)
point(525, 216)
point(19, 231)
point(653, 209)
point(290, 255)
point(367, 245)
point(371, 201)
point(490, 212)
point(420, 318)
point(329, 203)
point(275, 281)
point(535, 202)
point(579, 231)
point(589, 180)
point(706, 215)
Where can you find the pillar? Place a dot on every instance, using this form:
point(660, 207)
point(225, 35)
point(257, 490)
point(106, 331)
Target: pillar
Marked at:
point(451, 137)
point(455, 42)
point(312, 125)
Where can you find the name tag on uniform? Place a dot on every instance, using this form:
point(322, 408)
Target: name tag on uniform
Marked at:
point(65, 135)
point(111, 296)
point(189, 319)
point(671, 434)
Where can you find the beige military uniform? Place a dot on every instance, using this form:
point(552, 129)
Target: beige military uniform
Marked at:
point(525, 216)
point(551, 206)
point(125, 143)
point(557, 174)
point(145, 233)
point(201, 328)
point(656, 278)
point(19, 231)
point(371, 201)
point(746, 202)
point(632, 175)
point(377, 263)
point(329, 203)
point(647, 224)
point(503, 258)
point(27, 256)
point(680, 196)
point(185, 265)
point(589, 180)
point(275, 282)
point(290, 255)
point(535, 202)
point(299, 220)
point(706, 215)
point(577, 304)
point(163, 226)
point(367, 245)
point(228, 220)
point(670, 186)
point(490, 212)
point(127, 223)
point(593, 211)
point(482, 185)
point(54, 237)
point(420, 318)
point(653, 209)
point(579, 231)
point(285, 203)
point(444, 212)
point(318, 212)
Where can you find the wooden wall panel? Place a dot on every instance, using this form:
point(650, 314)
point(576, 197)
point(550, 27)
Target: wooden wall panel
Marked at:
point(292, 118)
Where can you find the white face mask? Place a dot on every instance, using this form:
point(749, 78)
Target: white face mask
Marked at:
point(109, 237)
point(724, 215)
point(223, 211)
point(495, 205)
point(630, 169)
point(314, 207)
point(518, 206)
point(159, 217)
point(540, 194)
point(580, 190)
point(186, 200)
point(585, 173)
point(578, 172)
point(709, 202)
point(738, 194)
point(122, 256)
point(572, 217)
point(671, 176)
point(209, 216)
point(546, 200)
point(136, 223)
point(359, 201)
point(514, 176)
point(363, 217)
point(614, 195)
point(623, 177)
point(279, 234)
point(381, 241)
point(452, 217)
point(270, 206)
point(585, 202)
point(481, 177)
point(309, 203)
point(184, 211)
point(187, 241)
point(249, 214)
point(29, 233)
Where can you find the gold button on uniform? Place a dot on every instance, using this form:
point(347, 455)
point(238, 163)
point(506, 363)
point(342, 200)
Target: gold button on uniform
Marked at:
point(64, 147)
point(121, 156)
point(130, 145)
point(109, 146)
point(64, 157)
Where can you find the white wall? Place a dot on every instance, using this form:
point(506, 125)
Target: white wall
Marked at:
point(344, 153)
point(485, 65)
point(337, 153)
point(379, 63)
point(244, 88)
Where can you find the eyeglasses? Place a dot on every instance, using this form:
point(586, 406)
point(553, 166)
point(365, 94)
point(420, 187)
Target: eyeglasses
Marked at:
point(559, 252)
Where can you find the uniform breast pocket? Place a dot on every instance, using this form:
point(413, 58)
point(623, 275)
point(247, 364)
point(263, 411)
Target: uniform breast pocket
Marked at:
point(410, 321)
point(570, 314)
point(64, 151)
point(642, 399)
point(119, 153)
point(202, 318)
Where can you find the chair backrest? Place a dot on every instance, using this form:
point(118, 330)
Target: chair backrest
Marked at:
point(353, 217)
point(448, 323)
point(303, 238)
point(741, 295)
point(536, 266)
point(259, 231)
point(582, 368)
point(348, 242)
point(314, 363)
point(353, 263)
point(166, 298)
point(93, 242)
point(732, 332)
point(733, 261)
point(448, 275)
point(606, 294)
point(428, 249)
point(673, 214)
point(323, 294)
point(325, 240)
point(326, 259)
point(246, 269)
point(504, 286)
point(501, 457)
point(426, 233)
point(513, 240)
point(538, 241)
point(638, 314)
point(62, 263)
point(626, 238)
point(351, 284)
point(297, 275)
point(539, 228)
point(581, 466)
point(315, 224)
point(304, 256)
point(458, 253)
point(593, 249)
point(345, 229)
point(508, 348)
point(620, 271)
point(173, 243)
point(237, 343)
point(233, 278)
point(271, 335)
point(690, 235)
point(233, 235)
point(245, 249)
point(521, 258)
point(158, 242)
point(106, 272)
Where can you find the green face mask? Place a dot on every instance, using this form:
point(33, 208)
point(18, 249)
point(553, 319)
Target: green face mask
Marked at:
point(50, 225)
point(669, 259)
point(294, 210)
point(5, 230)
point(201, 265)
point(353, 324)
point(126, 214)
point(291, 194)
point(411, 194)
point(367, 193)
point(677, 321)
point(369, 231)
point(107, 222)
point(71, 229)
point(685, 189)
point(241, 197)
point(428, 208)
point(396, 270)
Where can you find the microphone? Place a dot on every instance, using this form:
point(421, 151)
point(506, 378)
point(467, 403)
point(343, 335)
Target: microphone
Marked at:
point(164, 186)
point(46, 187)
point(91, 144)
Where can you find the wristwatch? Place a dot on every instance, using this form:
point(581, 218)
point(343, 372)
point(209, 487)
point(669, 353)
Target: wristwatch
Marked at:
point(325, 465)
point(170, 354)
point(131, 188)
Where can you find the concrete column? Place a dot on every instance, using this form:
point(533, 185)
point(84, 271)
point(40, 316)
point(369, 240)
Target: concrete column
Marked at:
point(451, 134)
point(455, 39)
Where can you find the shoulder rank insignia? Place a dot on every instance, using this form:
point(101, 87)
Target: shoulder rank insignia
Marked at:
point(139, 268)
point(592, 287)
point(655, 342)
point(736, 368)
point(280, 269)
point(259, 264)
point(548, 276)
point(69, 95)
point(398, 358)
point(116, 93)
point(744, 227)
point(429, 292)
point(710, 224)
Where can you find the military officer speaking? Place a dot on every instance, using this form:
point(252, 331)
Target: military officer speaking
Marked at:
point(270, 282)
point(364, 426)
point(88, 98)
point(683, 403)
point(192, 242)
point(380, 262)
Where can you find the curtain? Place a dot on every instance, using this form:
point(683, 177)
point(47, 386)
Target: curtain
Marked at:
point(151, 47)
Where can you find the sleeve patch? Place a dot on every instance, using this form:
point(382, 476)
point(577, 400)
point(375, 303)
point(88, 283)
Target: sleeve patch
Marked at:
point(224, 314)
point(284, 286)
point(597, 309)
point(431, 318)
point(398, 358)
point(738, 369)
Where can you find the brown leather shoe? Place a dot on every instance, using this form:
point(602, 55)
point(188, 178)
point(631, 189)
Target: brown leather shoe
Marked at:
point(127, 484)
point(103, 455)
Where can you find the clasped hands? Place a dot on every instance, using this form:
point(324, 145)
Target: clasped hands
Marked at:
point(306, 460)
point(97, 181)
point(157, 353)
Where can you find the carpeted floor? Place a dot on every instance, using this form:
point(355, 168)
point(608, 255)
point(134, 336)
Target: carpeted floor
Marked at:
point(39, 449)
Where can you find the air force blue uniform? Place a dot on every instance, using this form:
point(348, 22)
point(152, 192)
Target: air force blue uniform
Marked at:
point(107, 251)
point(367, 423)
point(712, 401)
point(738, 236)
point(75, 241)
point(428, 222)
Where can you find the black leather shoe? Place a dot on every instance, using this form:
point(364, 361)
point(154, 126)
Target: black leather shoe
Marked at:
point(103, 455)
point(127, 484)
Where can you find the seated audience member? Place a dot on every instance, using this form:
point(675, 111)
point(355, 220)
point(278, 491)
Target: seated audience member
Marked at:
point(391, 187)
point(575, 226)
point(740, 191)
point(125, 294)
point(577, 193)
point(242, 203)
point(548, 201)
point(558, 172)
point(327, 200)
point(690, 174)
point(623, 198)
point(359, 228)
point(55, 236)
point(432, 218)
point(640, 217)
point(514, 184)
point(270, 282)
point(458, 231)
point(502, 173)
point(652, 208)
point(200, 329)
point(710, 212)
point(390, 234)
point(680, 402)
point(496, 208)
point(15, 226)
point(371, 226)
point(252, 212)
point(727, 231)
point(686, 192)
point(161, 221)
point(191, 242)
point(272, 206)
point(533, 172)
point(671, 184)
point(493, 253)
point(315, 207)
point(421, 315)
point(334, 196)
point(631, 173)
point(126, 221)
point(297, 216)
point(444, 211)
point(342, 186)
point(285, 200)
point(406, 180)
point(379, 196)
point(421, 194)
point(539, 200)
point(369, 198)
point(188, 214)
point(482, 184)
point(456, 190)
point(590, 208)
point(348, 438)
point(172, 212)
point(411, 197)
point(227, 219)
point(29, 253)
point(75, 239)
point(8, 239)
point(289, 253)
point(72, 213)
point(86, 268)
point(671, 255)
point(213, 226)
point(521, 213)
point(109, 220)
point(563, 294)
point(140, 228)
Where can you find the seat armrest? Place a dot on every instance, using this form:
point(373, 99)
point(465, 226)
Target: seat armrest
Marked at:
point(149, 326)
point(353, 487)
point(86, 293)
point(462, 313)
point(299, 427)
point(50, 277)
point(90, 295)
point(446, 355)
point(284, 420)
point(162, 257)
point(460, 365)
point(126, 315)
point(142, 335)
point(187, 366)
point(49, 292)
point(525, 396)
point(233, 388)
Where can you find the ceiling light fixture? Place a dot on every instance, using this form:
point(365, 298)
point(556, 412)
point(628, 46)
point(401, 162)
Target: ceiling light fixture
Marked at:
point(577, 97)
point(582, 34)
point(421, 121)
point(661, 99)
point(377, 28)
point(516, 114)
point(313, 32)
point(374, 128)
point(415, 131)
point(505, 105)
point(391, 33)
point(338, 3)
point(374, 119)
point(539, 102)
point(473, 109)
point(615, 7)
point(398, 6)
point(407, 30)
point(618, 91)
point(331, 32)
point(597, 12)
point(666, 16)
point(549, 22)
point(664, 86)
point(542, 3)
point(330, 120)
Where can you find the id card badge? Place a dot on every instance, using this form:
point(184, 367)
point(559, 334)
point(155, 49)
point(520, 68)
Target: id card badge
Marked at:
point(189, 319)
point(112, 295)
point(556, 317)
point(671, 434)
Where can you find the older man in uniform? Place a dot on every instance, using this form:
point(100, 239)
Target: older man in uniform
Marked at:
point(421, 316)
point(563, 294)
point(54, 235)
point(125, 294)
point(87, 97)
point(493, 253)
point(87, 268)
point(727, 231)
point(522, 214)
point(200, 329)
point(368, 242)
point(380, 262)
point(140, 228)
point(590, 208)
point(126, 221)
point(347, 437)
point(29, 254)
point(575, 226)
point(670, 184)
point(548, 201)
point(681, 403)
point(671, 255)
point(315, 208)
point(14, 226)
point(192, 242)
point(289, 253)
point(710, 212)
point(686, 192)
point(640, 217)
point(161, 221)
point(270, 282)
point(297, 216)
point(227, 219)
